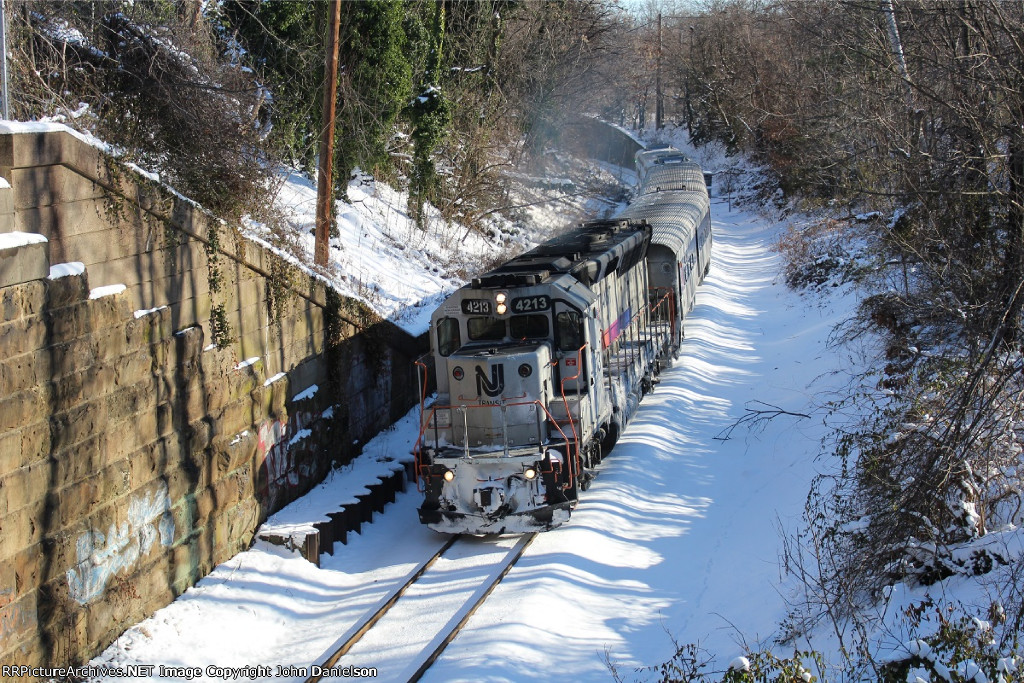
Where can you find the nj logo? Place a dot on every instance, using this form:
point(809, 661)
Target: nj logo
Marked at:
point(493, 386)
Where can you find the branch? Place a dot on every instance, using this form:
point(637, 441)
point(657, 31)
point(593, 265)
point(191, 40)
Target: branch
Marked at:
point(757, 417)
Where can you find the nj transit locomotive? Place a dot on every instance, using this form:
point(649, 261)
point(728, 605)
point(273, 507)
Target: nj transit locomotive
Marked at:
point(540, 362)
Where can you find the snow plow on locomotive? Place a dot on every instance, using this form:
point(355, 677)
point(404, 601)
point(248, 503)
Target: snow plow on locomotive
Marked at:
point(541, 362)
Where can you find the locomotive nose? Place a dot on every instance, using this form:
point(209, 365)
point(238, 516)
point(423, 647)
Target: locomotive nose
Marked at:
point(501, 390)
point(492, 376)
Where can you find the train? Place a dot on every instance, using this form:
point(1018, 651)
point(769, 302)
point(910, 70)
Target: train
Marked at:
point(541, 362)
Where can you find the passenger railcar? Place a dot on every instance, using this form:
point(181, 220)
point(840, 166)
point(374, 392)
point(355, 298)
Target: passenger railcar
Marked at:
point(540, 362)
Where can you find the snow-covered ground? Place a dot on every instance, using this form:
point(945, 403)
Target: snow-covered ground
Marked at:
point(677, 541)
point(403, 272)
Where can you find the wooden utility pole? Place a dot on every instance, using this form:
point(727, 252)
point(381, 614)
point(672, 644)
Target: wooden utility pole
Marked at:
point(324, 181)
point(5, 109)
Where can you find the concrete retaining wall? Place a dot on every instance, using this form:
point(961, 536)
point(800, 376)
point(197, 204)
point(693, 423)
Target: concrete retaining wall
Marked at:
point(592, 137)
point(134, 454)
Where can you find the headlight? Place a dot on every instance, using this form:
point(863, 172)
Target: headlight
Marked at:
point(458, 373)
point(525, 370)
point(449, 475)
point(529, 473)
point(501, 308)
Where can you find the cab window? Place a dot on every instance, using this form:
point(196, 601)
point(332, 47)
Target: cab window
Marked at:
point(449, 339)
point(486, 329)
point(529, 326)
point(569, 326)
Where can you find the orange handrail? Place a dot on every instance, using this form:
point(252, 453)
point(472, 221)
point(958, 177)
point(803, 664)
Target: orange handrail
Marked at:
point(423, 383)
point(568, 412)
point(668, 299)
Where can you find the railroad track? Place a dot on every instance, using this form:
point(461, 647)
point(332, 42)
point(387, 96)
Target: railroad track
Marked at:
point(413, 625)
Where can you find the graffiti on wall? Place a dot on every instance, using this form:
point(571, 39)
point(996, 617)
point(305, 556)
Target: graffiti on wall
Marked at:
point(14, 618)
point(102, 556)
point(280, 445)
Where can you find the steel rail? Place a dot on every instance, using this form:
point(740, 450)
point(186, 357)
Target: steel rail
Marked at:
point(355, 634)
point(481, 595)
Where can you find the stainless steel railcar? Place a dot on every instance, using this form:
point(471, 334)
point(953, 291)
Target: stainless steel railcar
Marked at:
point(541, 362)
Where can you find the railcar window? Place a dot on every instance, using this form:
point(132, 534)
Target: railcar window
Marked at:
point(569, 326)
point(449, 339)
point(486, 329)
point(529, 326)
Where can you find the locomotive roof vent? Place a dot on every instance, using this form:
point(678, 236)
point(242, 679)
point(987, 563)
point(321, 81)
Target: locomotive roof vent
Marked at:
point(509, 279)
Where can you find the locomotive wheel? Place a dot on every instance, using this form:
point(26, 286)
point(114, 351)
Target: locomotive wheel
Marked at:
point(591, 456)
point(612, 436)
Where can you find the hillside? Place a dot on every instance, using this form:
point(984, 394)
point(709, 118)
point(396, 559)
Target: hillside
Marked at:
point(401, 270)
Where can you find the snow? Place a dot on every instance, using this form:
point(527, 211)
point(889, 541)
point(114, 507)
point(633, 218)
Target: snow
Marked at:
point(299, 436)
point(370, 260)
point(247, 362)
point(148, 311)
point(60, 270)
point(308, 392)
point(678, 540)
point(53, 127)
point(739, 664)
point(275, 378)
point(107, 290)
point(13, 240)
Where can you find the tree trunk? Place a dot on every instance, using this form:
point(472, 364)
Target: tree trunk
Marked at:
point(1014, 265)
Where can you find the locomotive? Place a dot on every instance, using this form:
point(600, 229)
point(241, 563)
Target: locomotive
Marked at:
point(541, 362)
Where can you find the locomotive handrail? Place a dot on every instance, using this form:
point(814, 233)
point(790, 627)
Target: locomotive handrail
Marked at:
point(668, 299)
point(565, 402)
point(418, 450)
point(423, 383)
point(472, 398)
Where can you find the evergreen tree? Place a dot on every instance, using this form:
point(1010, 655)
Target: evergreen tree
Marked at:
point(375, 80)
point(430, 114)
point(284, 41)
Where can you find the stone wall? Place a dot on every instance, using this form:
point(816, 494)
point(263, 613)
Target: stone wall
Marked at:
point(135, 455)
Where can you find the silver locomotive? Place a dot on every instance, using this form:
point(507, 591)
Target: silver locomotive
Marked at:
point(541, 362)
